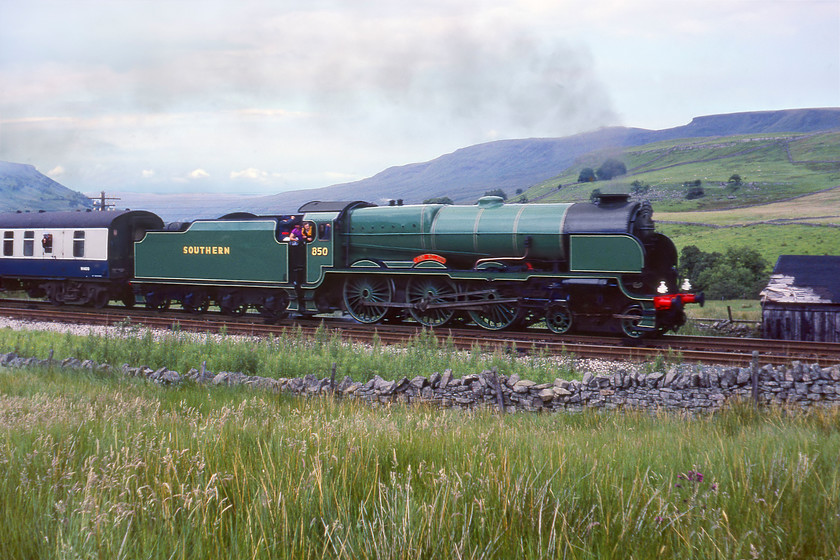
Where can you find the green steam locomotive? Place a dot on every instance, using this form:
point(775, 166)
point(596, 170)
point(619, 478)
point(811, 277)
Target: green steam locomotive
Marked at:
point(589, 267)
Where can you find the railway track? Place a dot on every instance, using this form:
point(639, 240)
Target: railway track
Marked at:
point(711, 350)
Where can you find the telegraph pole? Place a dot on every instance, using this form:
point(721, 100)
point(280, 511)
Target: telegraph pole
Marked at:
point(100, 201)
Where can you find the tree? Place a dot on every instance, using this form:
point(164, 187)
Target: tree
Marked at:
point(740, 272)
point(693, 261)
point(695, 192)
point(587, 175)
point(735, 180)
point(609, 169)
point(638, 188)
point(595, 196)
point(497, 192)
point(438, 200)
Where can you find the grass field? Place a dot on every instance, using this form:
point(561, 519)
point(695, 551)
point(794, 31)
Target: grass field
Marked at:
point(104, 467)
point(769, 240)
point(788, 202)
point(772, 168)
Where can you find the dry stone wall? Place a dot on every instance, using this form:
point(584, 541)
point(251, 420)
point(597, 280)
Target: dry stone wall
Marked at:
point(683, 387)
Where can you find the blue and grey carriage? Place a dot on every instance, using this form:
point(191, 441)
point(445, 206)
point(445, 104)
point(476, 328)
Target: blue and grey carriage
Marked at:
point(73, 257)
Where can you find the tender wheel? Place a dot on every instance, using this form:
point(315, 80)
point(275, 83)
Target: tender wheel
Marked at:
point(496, 316)
point(423, 292)
point(196, 302)
point(231, 304)
point(558, 318)
point(630, 322)
point(274, 307)
point(364, 296)
point(157, 301)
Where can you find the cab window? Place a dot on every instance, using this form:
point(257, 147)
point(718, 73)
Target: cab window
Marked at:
point(324, 232)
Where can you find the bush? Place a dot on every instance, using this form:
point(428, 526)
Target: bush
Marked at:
point(694, 193)
point(739, 273)
point(609, 169)
point(438, 200)
point(587, 175)
point(497, 192)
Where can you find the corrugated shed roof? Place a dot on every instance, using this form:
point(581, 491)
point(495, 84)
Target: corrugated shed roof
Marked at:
point(804, 279)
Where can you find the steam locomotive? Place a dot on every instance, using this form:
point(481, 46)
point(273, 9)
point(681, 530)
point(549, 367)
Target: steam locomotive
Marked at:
point(575, 266)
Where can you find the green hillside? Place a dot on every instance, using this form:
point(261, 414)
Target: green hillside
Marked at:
point(787, 200)
point(23, 188)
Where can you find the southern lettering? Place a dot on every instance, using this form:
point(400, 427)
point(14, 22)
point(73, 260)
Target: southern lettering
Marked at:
point(200, 250)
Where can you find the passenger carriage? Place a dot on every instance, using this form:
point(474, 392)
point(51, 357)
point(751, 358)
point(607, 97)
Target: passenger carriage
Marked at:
point(72, 257)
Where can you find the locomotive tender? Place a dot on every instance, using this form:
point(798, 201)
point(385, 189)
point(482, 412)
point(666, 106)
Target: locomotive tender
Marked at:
point(592, 267)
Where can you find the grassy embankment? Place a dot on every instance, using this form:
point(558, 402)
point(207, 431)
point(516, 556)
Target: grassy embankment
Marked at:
point(293, 354)
point(106, 467)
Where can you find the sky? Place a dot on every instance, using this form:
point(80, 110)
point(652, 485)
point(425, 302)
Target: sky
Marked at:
point(265, 96)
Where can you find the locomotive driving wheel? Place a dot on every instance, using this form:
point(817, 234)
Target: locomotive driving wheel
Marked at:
point(421, 293)
point(558, 318)
point(496, 316)
point(364, 297)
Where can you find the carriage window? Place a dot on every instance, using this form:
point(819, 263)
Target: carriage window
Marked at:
point(78, 244)
point(324, 231)
point(28, 243)
point(47, 242)
point(8, 243)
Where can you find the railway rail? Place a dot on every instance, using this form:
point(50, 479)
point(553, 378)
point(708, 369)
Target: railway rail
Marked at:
point(710, 350)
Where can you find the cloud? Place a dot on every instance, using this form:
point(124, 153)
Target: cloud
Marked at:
point(56, 172)
point(250, 174)
point(147, 173)
point(326, 90)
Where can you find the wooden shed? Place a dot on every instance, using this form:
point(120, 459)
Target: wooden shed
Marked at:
point(802, 299)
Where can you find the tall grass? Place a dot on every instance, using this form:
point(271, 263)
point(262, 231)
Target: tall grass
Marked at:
point(293, 354)
point(105, 467)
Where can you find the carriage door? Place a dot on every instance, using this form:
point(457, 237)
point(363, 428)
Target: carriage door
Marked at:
point(319, 247)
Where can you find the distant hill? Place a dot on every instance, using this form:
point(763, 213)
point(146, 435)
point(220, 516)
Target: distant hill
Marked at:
point(463, 175)
point(467, 173)
point(23, 188)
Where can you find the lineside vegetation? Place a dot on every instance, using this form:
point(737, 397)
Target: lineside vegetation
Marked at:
point(107, 467)
point(102, 466)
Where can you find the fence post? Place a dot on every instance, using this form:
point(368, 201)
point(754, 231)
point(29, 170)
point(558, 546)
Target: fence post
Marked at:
point(332, 378)
point(754, 378)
